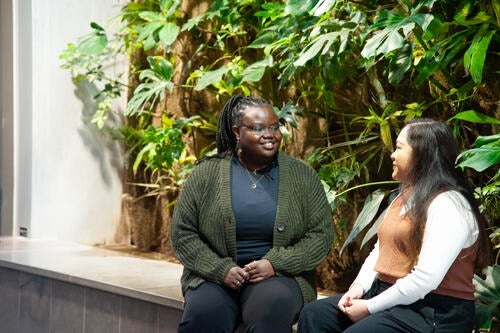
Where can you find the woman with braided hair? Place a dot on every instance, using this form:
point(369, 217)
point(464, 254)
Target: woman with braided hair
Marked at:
point(250, 226)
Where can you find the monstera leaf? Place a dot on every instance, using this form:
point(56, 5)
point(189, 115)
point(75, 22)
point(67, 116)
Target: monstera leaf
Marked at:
point(488, 297)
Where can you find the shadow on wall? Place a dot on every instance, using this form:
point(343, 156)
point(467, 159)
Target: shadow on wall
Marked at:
point(106, 150)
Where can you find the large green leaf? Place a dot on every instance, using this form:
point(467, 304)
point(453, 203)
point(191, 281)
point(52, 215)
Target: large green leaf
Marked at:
point(390, 38)
point(488, 295)
point(399, 64)
point(424, 21)
point(369, 211)
point(255, 71)
point(299, 7)
point(482, 158)
point(322, 7)
point(155, 81)
point(483, 140)
point(322, 44)
point(168, 33)
point(476, 54)
point(140, 156)
point(162, 68)
point(475, 117)
point(382, 42)
point(93, 43)
point(485, 155)
point(147, 93)
point(211, 77)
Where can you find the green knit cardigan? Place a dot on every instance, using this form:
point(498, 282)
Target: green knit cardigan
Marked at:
point(203, 225)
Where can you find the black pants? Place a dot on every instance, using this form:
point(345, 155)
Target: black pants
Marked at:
point(270, 306)
point(435, 313)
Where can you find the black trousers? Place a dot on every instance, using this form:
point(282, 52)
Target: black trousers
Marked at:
point(270, 306)
point(435, 313)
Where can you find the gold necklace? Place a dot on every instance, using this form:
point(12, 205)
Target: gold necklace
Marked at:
point(253, 181)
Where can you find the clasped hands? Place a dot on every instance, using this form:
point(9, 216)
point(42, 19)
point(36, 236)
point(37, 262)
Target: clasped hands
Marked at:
point(352, 305)
point(256, 271)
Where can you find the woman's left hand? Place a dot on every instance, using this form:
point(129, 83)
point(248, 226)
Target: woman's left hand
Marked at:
point(356, 309)
point(259, 270)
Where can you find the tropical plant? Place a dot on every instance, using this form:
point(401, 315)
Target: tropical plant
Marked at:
point(488, 298)
point(355, 70)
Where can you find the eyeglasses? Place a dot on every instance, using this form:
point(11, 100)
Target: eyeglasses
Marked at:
point(259, 129)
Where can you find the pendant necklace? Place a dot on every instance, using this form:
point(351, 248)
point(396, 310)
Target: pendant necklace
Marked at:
point(253, 181)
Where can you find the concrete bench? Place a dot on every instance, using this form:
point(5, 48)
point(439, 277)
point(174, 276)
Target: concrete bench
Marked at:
point(64, 286)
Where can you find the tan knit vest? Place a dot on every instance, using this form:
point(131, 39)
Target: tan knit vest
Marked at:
point(393, 262)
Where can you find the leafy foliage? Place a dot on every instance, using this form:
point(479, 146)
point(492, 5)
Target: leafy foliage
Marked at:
point(87, 60)
point(488, 295)
point(356, 71)
point(155, 81)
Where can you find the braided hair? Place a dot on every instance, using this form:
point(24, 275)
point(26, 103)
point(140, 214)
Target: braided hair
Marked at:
point(232, 114)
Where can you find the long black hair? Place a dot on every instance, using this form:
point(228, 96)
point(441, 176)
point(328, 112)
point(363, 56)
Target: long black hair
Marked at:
point(231, 115)
point(434, 152)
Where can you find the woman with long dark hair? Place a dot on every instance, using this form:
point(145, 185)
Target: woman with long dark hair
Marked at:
point(418, 277)
point(250, 226)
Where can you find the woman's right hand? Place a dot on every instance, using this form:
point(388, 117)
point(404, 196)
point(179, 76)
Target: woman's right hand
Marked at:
point(354, 292)
point(235, 278)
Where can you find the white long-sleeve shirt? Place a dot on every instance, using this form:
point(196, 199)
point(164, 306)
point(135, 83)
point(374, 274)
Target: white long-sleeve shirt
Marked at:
point(451, 226)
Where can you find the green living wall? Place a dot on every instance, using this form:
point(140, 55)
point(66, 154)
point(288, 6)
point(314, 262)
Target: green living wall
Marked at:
point(344, 77)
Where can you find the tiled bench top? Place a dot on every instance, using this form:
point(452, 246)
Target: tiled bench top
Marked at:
point(151, 280)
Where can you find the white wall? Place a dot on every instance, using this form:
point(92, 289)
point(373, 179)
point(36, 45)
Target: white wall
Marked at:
point(67, 173)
